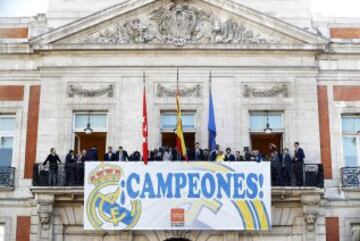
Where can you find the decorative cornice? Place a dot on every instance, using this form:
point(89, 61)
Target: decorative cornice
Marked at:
point(90, 93)
point(178, 24)
point(273, 91)
point(183, 92)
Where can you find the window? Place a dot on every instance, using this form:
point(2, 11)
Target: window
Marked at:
point(7, 132)
point(168, 121)
point(2, 232)
point(258, 121)
point(98, 121)
point(351, 140)
point(168, 126)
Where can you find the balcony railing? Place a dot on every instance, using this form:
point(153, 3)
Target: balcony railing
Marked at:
point(73, 175)
point(350, 177)
point(7, 177)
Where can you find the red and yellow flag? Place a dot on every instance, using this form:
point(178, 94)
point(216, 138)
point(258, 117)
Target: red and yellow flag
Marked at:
point(180, 141)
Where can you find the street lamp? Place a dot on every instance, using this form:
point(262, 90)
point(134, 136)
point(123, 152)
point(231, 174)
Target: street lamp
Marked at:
point(88, 130)
point(268, 129)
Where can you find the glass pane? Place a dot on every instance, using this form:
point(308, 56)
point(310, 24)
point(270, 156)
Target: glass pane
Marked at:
point(168, 121)
point(6, 150)
point(7, 124)
point(350, 152)
point(350, 124)
point(2, 232)
point(97, 121)
point(258, 121)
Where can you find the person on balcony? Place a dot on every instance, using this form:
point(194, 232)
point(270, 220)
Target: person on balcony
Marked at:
point(229, 157)
point(197, 154)
point(168, 154)
point(257, 156)
point(299, 157)
point(286, 167)
point(215, 153)
point(206, 155)
point(70, 162)
point(92, 154)
point(247, 154)
point(275, 167)
point(220, 157)
point(238, 156)
point(122, 155)
point(53, 160)
point(110, 156)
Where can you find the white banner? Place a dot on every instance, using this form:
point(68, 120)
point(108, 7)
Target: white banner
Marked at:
point(177, 195)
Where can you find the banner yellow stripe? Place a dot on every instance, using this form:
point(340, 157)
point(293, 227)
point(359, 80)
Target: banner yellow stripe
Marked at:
point(246, 214)
point(261, 213)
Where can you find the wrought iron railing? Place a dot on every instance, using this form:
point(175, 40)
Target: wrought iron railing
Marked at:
point(350, 177)
point(73, 175)
point(59, 175)
point(7, 177)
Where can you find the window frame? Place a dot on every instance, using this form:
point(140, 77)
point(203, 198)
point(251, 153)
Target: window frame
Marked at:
point(259, 112)
point(170, 130)
point(347, 134)
point(83, 112)
point(9, 134)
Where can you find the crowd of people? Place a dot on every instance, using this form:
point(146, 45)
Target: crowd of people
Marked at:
point(286, 169)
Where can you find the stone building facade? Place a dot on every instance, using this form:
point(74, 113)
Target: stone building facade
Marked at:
point(265, 58)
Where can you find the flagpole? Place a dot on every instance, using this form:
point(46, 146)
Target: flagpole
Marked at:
point(178, 157)
point(145, 124)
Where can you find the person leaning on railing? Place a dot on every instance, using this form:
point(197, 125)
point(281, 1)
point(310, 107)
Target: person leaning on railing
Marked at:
point(53, 160)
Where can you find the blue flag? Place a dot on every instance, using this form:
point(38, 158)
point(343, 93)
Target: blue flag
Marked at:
point(211, 125)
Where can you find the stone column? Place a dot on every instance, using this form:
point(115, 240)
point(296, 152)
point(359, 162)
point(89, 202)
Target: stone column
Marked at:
point(45, 211)
point(311, 206)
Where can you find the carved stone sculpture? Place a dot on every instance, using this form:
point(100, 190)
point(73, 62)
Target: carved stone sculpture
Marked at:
point(177, 24)
point(183, 92)
point(90, 93)
point(275, 90)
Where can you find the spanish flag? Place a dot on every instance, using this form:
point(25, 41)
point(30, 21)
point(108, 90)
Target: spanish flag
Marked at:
point(180, 142)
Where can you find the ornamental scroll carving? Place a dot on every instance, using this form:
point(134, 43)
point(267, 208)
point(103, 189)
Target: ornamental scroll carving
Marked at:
point(183, 92)
point(78, 90)
point(177, 24)
point(275, 90)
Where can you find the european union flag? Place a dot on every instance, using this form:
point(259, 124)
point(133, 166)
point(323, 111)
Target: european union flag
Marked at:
point(211, 124)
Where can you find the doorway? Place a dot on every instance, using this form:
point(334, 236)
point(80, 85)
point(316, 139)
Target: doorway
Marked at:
point(85, 142)
point(169, 139)
point(261, 141)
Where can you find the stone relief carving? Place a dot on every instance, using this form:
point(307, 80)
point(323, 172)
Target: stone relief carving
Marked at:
point(90, 93)
point(275, 90)
point(183, 91)
point(177, 24)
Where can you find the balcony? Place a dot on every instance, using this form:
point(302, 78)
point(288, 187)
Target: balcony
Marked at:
point(73, 175)
point(350, 177)
point(7, 178)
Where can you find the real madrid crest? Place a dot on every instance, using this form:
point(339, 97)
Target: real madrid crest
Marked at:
point(107, 203)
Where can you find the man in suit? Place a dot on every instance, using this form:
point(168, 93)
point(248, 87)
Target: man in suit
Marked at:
point(92, 154)
point(247, 154)
point(122, 155)
point(197, 154)
point(286, 169)
point(229, 156)
point(299, 157)
point(214, 153)
point(110, 156)
point(70, 165)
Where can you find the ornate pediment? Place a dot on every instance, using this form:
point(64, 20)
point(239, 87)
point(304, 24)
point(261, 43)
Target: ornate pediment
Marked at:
point(179, 23)
point(168, 23)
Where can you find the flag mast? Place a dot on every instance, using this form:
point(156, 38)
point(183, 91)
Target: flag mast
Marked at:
point(145, 125)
